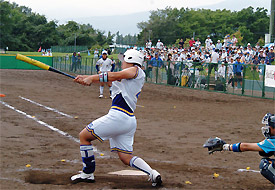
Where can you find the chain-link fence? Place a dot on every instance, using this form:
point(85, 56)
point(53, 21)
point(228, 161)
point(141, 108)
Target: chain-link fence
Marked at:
point(204, 76)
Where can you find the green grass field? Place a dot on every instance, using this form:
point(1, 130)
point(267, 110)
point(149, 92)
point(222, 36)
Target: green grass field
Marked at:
point(250, 74)
point(84, 55)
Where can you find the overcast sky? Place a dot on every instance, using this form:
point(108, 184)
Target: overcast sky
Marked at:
point(105, 14)
point(61, 9)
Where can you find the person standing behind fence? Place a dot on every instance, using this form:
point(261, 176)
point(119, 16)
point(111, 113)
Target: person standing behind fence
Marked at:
point(96, 54)
point(78, 60)
point(156, 64)
point(74, 62)
point(104, 64)
point(215, 57)
point(207, 42)
point(159, 45)
point(181, 43)
point(237, 69)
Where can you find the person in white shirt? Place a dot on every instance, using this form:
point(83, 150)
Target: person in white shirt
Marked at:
point(224, 55)
point(104, 65)
point(234, 41)
point(219, 45)
point(159, 45)
point(96, 54)
point(198, 43)
point(214, 62)
point(207, 42)
point(49, 53)
point(221, 71)
point(119, 125)
point(211, 47)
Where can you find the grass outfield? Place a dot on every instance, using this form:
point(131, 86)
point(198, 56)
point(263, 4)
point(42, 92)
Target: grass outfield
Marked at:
point(55, 54)
point(250, 74)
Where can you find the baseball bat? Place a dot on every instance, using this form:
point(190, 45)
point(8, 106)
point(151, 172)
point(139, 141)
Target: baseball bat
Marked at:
point(41, 65)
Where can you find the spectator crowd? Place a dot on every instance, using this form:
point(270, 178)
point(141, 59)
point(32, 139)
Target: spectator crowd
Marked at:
point(219, 53)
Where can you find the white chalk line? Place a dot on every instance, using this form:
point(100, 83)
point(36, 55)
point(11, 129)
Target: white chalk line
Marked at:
point(46, 107)
point(140, 106)
point(106, 155)
point(12, 179)
point(245, 170)
point(41, 122)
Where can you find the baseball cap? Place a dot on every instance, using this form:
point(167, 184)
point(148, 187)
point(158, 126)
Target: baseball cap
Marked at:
point(219, 40)
point(248, 44)
point(104, 52)
point(238, 58)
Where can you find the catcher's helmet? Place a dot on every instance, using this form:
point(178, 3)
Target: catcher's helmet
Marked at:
point(132, 56)
point(269, 121)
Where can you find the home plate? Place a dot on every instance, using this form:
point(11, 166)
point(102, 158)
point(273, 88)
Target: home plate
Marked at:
point(128, 172)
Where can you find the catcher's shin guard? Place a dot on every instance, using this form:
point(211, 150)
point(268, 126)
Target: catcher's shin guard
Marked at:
point(267, 169)
point(88, 158)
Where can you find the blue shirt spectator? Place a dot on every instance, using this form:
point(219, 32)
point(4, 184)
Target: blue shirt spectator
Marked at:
point(238, 66)
point(156, 61)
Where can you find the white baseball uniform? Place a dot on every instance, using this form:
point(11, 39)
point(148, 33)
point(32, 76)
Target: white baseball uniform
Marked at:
point(104, 65)
point(119, 125)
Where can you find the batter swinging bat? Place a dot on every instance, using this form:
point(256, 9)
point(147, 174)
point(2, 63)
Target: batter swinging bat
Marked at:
point(41, 65)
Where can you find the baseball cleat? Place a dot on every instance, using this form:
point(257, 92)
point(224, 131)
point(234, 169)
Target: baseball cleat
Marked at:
point(100, 96)
point(155, 178)
point(83, 177)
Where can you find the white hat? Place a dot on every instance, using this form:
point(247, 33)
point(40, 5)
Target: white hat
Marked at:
point(132, 56)
point(239, 52)
point(219, 40)
point(248, 44)
point(104, 52)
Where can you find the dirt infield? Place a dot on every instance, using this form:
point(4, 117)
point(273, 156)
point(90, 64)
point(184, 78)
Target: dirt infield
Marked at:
point(173, 124)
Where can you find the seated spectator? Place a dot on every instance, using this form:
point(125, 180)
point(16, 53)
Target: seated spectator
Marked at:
point(198, 43)
point(219, 45)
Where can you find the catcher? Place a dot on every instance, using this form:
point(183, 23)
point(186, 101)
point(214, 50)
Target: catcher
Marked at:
point(266, 147)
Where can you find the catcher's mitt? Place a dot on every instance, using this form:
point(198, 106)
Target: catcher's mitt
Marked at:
point(214, 144)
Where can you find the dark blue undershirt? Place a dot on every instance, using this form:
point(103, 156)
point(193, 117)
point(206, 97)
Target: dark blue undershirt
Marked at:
point(120, 102)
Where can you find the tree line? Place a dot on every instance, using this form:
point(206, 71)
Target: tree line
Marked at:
point(21, 29)
point(171, 24)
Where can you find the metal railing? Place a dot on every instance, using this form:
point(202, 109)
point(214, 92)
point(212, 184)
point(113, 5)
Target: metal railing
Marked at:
point(203, 76)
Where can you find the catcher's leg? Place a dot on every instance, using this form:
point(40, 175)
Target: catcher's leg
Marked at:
point(267, 169)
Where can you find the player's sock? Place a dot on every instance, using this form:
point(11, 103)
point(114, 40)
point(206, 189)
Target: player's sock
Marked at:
point(216, 75)
point(140, 164)
point(101, 89)
point(88, 158)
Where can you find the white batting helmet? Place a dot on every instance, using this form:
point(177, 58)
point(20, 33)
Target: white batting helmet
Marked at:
point(104, 52)
point(132, 56)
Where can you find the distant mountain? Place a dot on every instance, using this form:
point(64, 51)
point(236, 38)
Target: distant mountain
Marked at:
point(125, 24)
point(237, 5)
